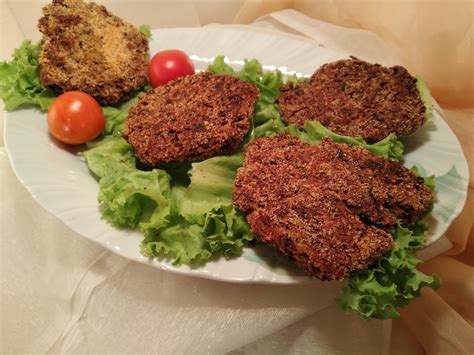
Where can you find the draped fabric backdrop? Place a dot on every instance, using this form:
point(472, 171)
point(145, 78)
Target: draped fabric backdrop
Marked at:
point(61, 293)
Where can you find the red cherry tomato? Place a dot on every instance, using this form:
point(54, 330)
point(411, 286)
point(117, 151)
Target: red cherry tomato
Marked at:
point(75, 118)
point(168, 65)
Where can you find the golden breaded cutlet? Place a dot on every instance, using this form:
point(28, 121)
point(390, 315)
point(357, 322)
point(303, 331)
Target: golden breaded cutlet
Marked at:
point(87, 48)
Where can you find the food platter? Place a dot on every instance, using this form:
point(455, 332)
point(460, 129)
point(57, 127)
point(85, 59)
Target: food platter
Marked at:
point(60, 181)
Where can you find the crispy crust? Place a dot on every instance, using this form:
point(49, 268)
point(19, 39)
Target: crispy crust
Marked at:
point(87, 48)
point(356, 98)
point(191, 118)
point(329, 207)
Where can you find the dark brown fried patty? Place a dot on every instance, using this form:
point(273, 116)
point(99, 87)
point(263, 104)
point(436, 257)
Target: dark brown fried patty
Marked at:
point(355, 98)
point(329, 207)
point(87, 48)
point(191, 118)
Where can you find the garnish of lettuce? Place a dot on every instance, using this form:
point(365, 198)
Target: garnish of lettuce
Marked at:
point(115, 116)
point(203, 221)
point(267, 120)
point(19, 80)
point(191, 219)
point(393, 281)
point(145, 29)
point(211, 186)
point(313, 132)
point(129, 196)
point(425, 97)
point(185, 223)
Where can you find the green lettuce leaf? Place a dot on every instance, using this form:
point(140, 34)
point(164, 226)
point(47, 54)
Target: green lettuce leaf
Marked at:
point(136, 198)
point(130, 197)
point(115, 115)
point(224, 231)
point(430, 181)
point(425, 97)
point(109, 157)
point(313, 132)
point(187, 224)
point(114, 120)
point(205, 222)
point(268, 83)
point(211, 186)
point(393, 281)
point(145, 29)
point(19, 81)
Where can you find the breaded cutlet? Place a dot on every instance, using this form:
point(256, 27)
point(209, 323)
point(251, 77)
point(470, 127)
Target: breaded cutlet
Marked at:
point(191, 118)
point(87, 48)
point(358, 99)
point(328, 207)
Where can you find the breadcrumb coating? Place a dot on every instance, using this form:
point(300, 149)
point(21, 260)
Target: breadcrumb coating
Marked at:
point(358, 99)
point(87, 48)
point(328, 207)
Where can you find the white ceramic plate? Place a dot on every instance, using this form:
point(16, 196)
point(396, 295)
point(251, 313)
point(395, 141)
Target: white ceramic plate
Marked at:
point(60, 181)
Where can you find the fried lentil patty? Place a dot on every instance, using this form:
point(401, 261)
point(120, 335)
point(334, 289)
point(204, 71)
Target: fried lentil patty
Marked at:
point(191, 118)
point(328, 207)
point(355, 98)
point(87, 48)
